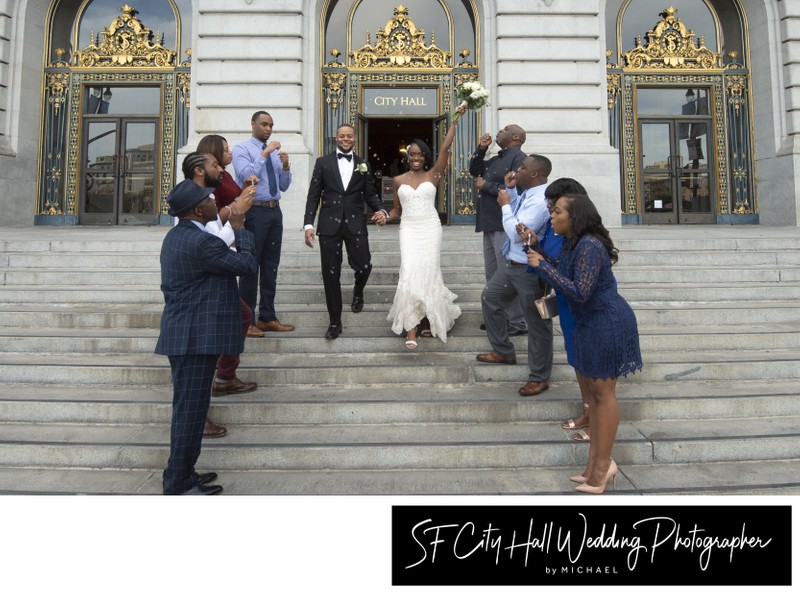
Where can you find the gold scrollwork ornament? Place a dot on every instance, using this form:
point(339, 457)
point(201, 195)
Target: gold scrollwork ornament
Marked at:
point(399, 44)
point(671, 45)
point(126, 42)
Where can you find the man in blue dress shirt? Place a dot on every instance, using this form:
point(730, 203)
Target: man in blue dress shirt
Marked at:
point(520, 211)
point(261, 157)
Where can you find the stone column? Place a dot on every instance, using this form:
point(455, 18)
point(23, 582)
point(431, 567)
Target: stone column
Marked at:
point(248, 56)
point(548, 61)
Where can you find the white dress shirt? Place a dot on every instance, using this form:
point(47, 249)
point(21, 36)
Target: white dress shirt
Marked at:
point(346, 168)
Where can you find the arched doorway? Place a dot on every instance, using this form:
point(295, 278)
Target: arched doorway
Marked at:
point(114, 111)
point(679, 103)
point(397, 86)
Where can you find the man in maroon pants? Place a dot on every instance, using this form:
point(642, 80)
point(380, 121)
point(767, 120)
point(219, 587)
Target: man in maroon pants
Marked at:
point(204, 170)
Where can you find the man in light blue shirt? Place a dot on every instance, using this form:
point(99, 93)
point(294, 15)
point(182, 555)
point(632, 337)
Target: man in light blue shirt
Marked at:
point(261, 157)
point(528, 209)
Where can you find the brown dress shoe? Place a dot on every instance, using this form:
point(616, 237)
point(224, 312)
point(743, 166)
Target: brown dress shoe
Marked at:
point(254, 332)
point(274, 326)
point(495, 358)
point(234, 386)
point(213, 430)
point(533, 388)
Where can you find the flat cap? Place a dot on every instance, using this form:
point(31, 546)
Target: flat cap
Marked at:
point(185, 196)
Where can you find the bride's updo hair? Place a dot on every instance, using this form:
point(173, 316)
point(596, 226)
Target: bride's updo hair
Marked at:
point(424, 149)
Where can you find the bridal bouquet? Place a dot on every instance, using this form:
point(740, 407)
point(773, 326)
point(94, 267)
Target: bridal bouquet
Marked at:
point(473, 95)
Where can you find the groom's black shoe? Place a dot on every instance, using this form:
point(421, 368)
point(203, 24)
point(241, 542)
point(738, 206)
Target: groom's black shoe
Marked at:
point(333, 331)
point(358, 303)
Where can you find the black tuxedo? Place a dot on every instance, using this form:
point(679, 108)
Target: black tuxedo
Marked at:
point(341, 219)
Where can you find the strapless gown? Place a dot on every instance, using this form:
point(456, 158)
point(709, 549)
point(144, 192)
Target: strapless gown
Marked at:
point(420, 290)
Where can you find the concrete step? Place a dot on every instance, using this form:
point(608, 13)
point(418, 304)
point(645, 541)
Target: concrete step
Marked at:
point(658, 239)
point(384, 294)
point(389, 275)
point(85, 405)
point(136, 240)
point(314, 316)
point(404, 440)
point(334, 367)
point(370, 339)
point(401, 403)
point(387, 255)
point(776, 477)
point(398, 446)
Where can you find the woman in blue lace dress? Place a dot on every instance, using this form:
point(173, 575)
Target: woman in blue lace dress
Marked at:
point(606, 336)
point(551, 244)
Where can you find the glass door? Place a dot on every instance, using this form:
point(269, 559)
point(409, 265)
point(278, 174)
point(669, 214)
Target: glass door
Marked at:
point(137, 200)
point(119, 171)
point(676, 179)
point(676, 184)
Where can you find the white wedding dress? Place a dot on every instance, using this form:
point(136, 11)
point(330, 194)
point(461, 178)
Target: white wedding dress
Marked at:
point(420, 290)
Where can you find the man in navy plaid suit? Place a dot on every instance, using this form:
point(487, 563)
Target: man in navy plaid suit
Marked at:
point(201, 320)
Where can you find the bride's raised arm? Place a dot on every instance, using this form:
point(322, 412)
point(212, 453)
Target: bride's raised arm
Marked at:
point(444, 151)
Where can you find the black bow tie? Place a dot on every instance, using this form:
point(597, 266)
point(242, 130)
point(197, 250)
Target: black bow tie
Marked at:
point(349, 157)
point(501, 153)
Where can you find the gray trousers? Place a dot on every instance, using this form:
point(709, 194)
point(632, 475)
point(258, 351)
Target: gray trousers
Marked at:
point(494, 259)
point(514, 281)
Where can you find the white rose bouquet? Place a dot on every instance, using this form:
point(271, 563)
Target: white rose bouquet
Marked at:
point(361, 168)
point(473, 95)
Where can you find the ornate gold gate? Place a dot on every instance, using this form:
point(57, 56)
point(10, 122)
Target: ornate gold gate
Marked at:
point(402, 78)
point(124, 182)
point(704, 170)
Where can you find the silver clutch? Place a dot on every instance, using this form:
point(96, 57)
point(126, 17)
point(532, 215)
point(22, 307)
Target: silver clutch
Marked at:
point(547, 305)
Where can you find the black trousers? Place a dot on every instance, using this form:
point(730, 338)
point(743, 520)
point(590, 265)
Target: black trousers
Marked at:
point(359, 259)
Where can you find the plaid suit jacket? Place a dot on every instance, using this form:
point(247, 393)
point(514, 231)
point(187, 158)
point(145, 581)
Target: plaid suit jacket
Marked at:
point(198, 278)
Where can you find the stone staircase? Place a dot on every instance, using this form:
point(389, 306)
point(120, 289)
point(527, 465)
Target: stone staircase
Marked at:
point(85, 405)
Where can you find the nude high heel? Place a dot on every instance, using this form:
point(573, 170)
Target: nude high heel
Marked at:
point(611, 475)
point(570, 424)
point(578, 478)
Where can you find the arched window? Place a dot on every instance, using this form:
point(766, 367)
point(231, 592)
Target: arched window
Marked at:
point(452, 23)
point(719, 21)
point(115, 110)
point(680, 111)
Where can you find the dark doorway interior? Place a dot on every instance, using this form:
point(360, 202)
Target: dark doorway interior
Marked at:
point(386, 148)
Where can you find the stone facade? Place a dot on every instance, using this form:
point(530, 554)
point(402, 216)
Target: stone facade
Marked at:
point(542, 61)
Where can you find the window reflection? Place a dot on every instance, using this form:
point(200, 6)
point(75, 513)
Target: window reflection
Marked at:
point(122, 100)
point(655, 144)
point(672, 101)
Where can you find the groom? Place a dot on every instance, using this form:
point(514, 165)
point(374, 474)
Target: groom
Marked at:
point(342, 183)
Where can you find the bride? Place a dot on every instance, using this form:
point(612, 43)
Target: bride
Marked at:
point(421, 296)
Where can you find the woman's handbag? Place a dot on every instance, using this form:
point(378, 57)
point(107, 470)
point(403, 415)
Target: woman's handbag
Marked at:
point(547, 305)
